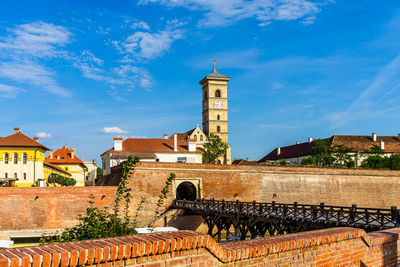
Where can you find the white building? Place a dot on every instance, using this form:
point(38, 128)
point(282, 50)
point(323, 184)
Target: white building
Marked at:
point(152, 149)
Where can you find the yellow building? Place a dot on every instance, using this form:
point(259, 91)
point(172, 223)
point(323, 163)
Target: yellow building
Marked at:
point(21, 160)
point(66, 159)
point(50, 169)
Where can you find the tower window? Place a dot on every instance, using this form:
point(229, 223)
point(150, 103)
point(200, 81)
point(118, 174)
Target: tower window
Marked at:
point(15, 158)
point(6, 158)
point(25, 158)
point(15, 176)
point(24, 176)
point(218, 128)
point(218, 93)
point(218, 117)
point(195, 137)
point(201, 138)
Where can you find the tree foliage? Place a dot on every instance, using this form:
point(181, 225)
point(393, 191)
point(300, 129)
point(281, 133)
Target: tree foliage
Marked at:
point(99, 172)
point(376, 159)
point(213, 149)
point(55, 178)
point(323, 154)
point(99, 223)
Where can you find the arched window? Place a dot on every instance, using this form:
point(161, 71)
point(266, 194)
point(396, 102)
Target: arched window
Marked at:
point(218, 117)
point(15, 158)
point(218, 93)
point(66, 169)
point(218, 129)
point(25, 158)
point(6, 158)
point(6, 175)
point(15, 176)
point(201, 138)
point(24, 176)
point(195, 137)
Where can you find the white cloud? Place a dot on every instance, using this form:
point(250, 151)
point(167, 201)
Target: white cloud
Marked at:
point(113, 130)
point(32, 73)
point(225, 12)
point(37, 39)
point(385, 85)
point(149, 45)
point(140, 25)
point(8, 91)
point(44, 135)
point(23, 49)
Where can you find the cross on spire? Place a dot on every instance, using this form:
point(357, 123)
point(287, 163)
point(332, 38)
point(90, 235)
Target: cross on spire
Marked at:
point(214, 60)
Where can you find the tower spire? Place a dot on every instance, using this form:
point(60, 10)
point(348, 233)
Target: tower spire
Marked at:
point(214, 69)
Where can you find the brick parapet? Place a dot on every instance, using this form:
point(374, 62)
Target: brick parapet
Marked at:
point(337, 246)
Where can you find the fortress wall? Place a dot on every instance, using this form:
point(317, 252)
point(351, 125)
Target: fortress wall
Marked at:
point(24, 208)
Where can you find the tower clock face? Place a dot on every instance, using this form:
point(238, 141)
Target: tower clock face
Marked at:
point(218, 104)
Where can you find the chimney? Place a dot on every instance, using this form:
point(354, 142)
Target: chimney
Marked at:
point(309, 139)
point(191, 145)
point(165, 136)
point(16, 130)
point(51, 153)
point(278, 151)
point(72, 152)
point(297, 142)
point(36, 138)
point(118, 144)
point(175, 142)
point(374, 137)
point(382, 145)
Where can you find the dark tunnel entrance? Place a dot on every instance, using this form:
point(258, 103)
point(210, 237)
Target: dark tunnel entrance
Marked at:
point(186, 191)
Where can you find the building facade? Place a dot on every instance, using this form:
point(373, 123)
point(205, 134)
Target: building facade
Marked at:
point(66, 159)
point(21, 160)
point(152, 149)
point(91, 172)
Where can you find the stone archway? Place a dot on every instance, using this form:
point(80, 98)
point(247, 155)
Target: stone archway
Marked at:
point(186, 191)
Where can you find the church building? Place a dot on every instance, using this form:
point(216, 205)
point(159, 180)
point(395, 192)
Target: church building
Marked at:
point(184, 147)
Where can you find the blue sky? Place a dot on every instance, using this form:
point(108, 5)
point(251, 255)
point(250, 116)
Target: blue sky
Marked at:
point(84, 72)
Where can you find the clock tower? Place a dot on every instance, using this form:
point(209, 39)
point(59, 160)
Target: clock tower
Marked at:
point(215, 107)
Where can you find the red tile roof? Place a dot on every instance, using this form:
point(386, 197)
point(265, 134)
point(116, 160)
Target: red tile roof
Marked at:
point(56, 168)
point(153, 145)
point(65, 157)
point(20, 140)
point(293, 151)
point(353, 142)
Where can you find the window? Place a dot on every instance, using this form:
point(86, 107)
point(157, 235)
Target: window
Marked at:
point(195, 137)
point(218, 93)
point(218, 117)
point(66, 169)
point(6, 158)
point(219, 162)
point(15, 158)
point(201, 138)
point(15, 175)
point(25, 158)
point(24, 176)
point(6, 175)
point(218, 129)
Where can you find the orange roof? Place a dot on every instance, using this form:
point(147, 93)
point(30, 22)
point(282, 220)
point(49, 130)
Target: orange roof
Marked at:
point(153, 145)
point(365, 142)
point(64, 155)
point(56, 168)
point(20, 140)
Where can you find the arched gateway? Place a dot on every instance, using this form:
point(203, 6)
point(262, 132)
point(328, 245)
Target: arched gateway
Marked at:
point(186, 191)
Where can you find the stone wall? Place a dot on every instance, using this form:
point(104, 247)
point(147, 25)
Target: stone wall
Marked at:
point(333, 247)
point(366, 188)
point(48, 208)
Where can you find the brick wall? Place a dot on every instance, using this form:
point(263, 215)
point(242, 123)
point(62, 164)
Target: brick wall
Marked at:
point(333, 247)
point(367, 188)
point(47, 208)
